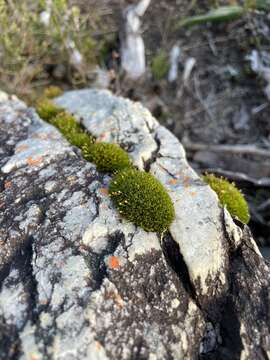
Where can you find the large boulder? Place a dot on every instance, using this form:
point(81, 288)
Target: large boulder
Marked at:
point(79, 282)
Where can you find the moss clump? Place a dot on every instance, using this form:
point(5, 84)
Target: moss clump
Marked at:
point(71, 129)
point(80, 139)
point(66, 123)
point(142, 199)
point(47, 110)
point(230, 196)
point(52, 92)
point(160, 66)
point(107, 157)
point(138, 195)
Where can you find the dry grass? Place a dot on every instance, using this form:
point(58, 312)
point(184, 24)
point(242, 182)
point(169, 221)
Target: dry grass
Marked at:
point(43, 42)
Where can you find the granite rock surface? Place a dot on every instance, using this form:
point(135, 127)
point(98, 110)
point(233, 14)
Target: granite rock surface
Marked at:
point(79, 282)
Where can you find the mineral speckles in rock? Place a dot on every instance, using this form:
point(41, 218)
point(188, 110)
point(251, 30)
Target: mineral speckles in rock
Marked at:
point(79, 282)
point(40, 148)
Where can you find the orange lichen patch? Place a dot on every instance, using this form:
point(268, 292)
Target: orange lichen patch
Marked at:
point(104, 191)
point(113, 262)
point(173, 181)
point(34, 162)
point(21, 148)
point(193, 193)
point(7, 184)
point(53, 136)
point(44, 302)
point(98, 345)
point(186, 181)
point(42, 136)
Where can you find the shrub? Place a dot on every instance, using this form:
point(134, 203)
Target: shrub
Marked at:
point(107, 157)
point(142, 199)
point(229, 196)
point(36, 36)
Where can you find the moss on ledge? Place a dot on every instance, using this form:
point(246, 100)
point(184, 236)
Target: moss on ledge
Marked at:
point(46, 109)
point(138, 195)
point(107, 157)
point(229, 196)
point(142, 199)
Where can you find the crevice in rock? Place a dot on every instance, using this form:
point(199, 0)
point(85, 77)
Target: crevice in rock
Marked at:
point(9, 341)
point(176, 261)
point(96, 261)
point(29, 279)
point(154, 155)
point(151, 130)
point(232, 345)
point(229, 322)
point(168, 172)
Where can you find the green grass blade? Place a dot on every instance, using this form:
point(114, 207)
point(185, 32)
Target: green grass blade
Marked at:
point(224, 13)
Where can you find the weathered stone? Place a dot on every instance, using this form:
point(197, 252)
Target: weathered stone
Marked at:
point(79, 282)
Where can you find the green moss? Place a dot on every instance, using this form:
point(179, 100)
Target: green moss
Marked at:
point(229, 196)
point(138, 195)
point(52, 92)
point(66, 123)
point(107, 157)
point(47, 110)
point(142, 199)
point(80, 139)
point(160, 66)
point(71, 129)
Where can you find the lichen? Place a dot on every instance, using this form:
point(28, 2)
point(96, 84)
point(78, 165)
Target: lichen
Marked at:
point(107, 157)
point(229, 196)
point(142, 199)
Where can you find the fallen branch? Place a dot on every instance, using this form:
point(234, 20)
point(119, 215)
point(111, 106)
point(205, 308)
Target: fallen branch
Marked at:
point(234, 149)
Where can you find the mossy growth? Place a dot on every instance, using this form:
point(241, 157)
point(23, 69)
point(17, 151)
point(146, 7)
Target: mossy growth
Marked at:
point(107, 157)
point(47, 110)
point(138, 196)
point(71, 129)
point(52, 92)
point(65, 122)
point(229, 196)
point(142, 199)
point(160, 65)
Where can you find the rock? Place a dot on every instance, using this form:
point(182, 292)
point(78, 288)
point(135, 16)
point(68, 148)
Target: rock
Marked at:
point(79, 282)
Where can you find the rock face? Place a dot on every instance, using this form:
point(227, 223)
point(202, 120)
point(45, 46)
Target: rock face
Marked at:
point(79, 282)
